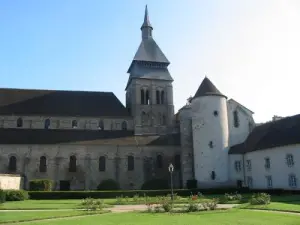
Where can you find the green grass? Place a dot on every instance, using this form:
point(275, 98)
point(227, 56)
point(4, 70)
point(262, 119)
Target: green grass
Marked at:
point(232, 217)
point(278, 206)
point(6, 217)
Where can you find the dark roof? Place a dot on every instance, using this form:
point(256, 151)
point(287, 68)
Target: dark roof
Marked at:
point(60, 103)
point(82, 137)
point(270, 135)
point(207, 88)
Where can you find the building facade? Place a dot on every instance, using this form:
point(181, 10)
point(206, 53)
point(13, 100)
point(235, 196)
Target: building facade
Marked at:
point(79, 138)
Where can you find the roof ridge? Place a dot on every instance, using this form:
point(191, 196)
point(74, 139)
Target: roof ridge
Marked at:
point(53, 90)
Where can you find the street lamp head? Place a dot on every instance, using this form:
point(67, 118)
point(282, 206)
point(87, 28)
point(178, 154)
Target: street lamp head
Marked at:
point(171, 168)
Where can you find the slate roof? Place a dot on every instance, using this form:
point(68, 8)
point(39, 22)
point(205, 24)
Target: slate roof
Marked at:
point(60, 103)
point(207, 88)
point(270, 135)
point(82, 137)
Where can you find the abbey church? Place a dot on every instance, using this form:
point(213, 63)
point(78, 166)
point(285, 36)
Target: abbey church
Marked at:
point(80, 138)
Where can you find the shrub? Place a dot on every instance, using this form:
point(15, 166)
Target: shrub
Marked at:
point(192, 206)
point(167, 205)
point(16, 195)
point(211, 204)
point(2, 196)
point(155, 184)
point(40, 185)
point(108, 184)
point(232, 197)
point(191, 184)
point(90, 204)
point(260, 199)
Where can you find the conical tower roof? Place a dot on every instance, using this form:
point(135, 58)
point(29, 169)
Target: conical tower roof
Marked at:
point(207, 88)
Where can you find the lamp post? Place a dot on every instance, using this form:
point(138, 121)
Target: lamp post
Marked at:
point(171, 169)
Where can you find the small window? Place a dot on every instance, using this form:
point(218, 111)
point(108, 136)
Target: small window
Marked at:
point(72, 164)
point(289, 160)
point(20, 122)
point(12, 164)
point(142, 97)
point(162, 97)
point(250, 182)
point(249, 167)
point(159, 161)
point(213, 175)
point(236, 121)
point(237, 166)
point(292, 181)
point(124, 125)
point(216, 113)
point(177, 163)
point(74, 123)
point(147, 98)
point(211, 144)
point(101, 125)
point(47, 123)
point(43, 164)
point(157, 97)
point(269, 181)
point(130, 161)
point(267, 163)
point(102, 163)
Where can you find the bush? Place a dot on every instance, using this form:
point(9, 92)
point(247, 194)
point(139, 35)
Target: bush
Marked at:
point(2, 196)
point(155, 184)
point(40, 185)
point(260, 199)
point(167, 205)
point(231, 197)
point(210, 204)
point(16, 195)
point(191, 184)
point(192, 206)
point(90, 204)
point(108, 184)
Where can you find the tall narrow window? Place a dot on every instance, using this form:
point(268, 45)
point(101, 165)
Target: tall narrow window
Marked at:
point(124, 125)
point(74, 123)
point(12, 164)
point(269, 181)
point(47, 123)
point(267, 163)
point(130, 161)
point(177, 163)
point(43, 164)
point(289, 160)
point(249, 167)
point(72, 164)
point(147, 98)
point(142, 96)
point(236, 121)
point(250, 182)
point(159, 161)
point(162, 97)
point(102, 163)
point(292, 181)
point(101, 125)
point(157, 97)
point(20, 122)
point(237, 166)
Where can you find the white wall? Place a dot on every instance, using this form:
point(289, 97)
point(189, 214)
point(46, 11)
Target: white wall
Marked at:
point(10, 182)
point(206, 128)
point(233, 174)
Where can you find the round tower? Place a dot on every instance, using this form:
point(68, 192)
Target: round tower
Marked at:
point(210, 135)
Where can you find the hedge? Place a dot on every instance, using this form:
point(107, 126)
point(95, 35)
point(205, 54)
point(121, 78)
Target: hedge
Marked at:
point(40, 185)
point(2, 196)
point(156, 184)
point(16, 195)
point(108, 184)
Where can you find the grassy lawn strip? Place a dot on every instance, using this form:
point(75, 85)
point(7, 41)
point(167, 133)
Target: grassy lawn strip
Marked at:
point(276, 206)
point(9, 217)
point(231, 217)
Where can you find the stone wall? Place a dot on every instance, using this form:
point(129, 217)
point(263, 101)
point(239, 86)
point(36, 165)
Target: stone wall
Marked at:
point(10, 182)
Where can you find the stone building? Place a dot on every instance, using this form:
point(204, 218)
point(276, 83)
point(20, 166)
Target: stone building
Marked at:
point(79, 138)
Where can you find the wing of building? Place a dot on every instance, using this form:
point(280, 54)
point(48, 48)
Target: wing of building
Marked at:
point(80, 138)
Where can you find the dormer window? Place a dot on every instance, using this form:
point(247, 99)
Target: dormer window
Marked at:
point(101, 125)
point(74, 123)
point(124, 125)
point(236, 121)
point(47, 124)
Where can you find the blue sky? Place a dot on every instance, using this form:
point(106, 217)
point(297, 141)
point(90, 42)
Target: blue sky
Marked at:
point(250, 49)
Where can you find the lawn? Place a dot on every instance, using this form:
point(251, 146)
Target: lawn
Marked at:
point(279, 206)
point(6, 217)
point(232, 217)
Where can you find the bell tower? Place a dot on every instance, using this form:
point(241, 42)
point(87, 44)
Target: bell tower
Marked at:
point(149, 90)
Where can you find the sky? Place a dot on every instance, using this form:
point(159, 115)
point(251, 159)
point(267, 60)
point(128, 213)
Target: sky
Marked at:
point(249, 49)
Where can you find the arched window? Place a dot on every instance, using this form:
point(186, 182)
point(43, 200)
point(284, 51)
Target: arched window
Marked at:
point(74, 123)
point(12, 164)
point(159, 161)
point(124, 125)
point(72, 163)
point(162, 97)
point(47, 123)
point(236, 121)
point(101, 125)
point(102, 163)
point(177, 163)
point(142, 97)
point(20, 122)
point(157, 97)
point(43, 164)
point(147, 98)
point(130, 160)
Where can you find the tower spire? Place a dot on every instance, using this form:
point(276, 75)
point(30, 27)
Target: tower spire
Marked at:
point(146, 27)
